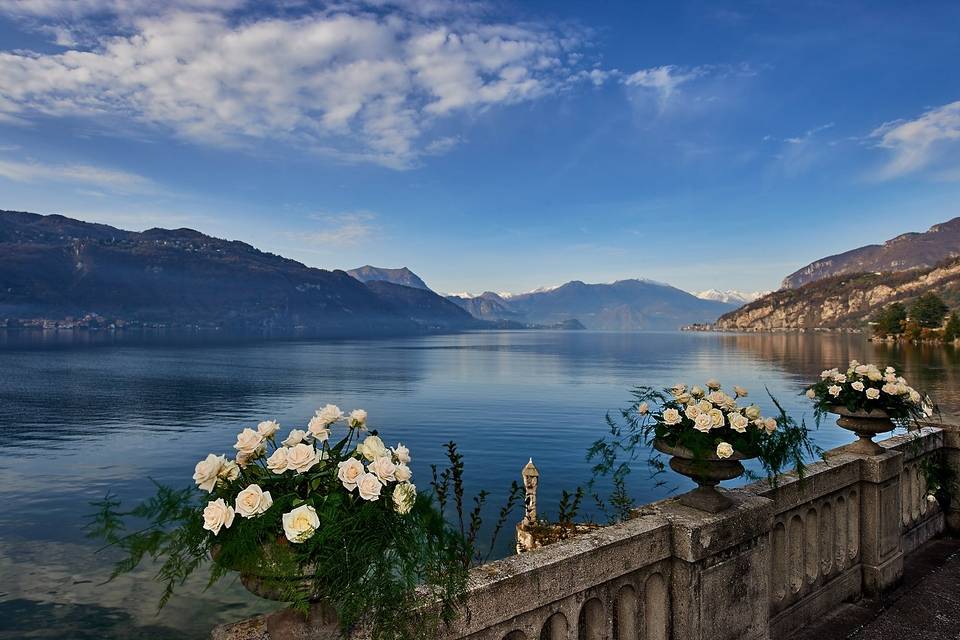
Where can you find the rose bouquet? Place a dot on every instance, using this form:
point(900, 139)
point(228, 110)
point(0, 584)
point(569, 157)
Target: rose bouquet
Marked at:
point(865, 389)
point(701, 424)
point(315, 516)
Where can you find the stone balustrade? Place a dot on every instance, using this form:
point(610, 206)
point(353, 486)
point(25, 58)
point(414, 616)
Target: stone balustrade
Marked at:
point(779, 558)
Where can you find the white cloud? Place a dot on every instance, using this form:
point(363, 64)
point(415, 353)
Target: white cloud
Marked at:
point(112, 179)
point(350, 81)
point(342, 229)
point(663, 80)
point(916, 144)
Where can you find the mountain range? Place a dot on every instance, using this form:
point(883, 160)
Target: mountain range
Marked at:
point(54, 268)
point(845, 290)
point(906, 251)
point(625, 305)
point(730, 295)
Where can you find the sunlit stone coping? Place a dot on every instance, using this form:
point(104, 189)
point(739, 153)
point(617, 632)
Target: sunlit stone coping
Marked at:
point(779, 558)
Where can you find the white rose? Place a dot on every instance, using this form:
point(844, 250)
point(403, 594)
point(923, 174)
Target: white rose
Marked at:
point(692, 411)
point(278, 461)
point(319, 428)
point(811, 394)
point(703, 422)
point(401, 453)
point(296, 437)
point(890, 370)
point(738, 422)
point(827, 373)
point(873, 394)
point(704, 406)
point(348, 472)
point(643, 408)
point(716, 417)
point(369, 486)
point(230, 470)
point(671, 417)
point(684, 398)
point(358, 418)
point(207, 471)
point(890, 378)
point(253, 501)
point(931, 498)
point(268, 428)
point(724, 450)
point(300, 524)
point(835, 390)
point(248, 441)
point(330, 414)
point(217, 515)
point(384, 468)
point(404, 497)
point(770, 425)
point(891, 389)
point(740, 391)
point(752, 412)
point(839, 378)
point(697, 391)
point(301, 457)
point(914, 396)
point(712, 383)
point(678, 389)
point(402, 473)
point(861, 369)
point(372, 448)
point(857, 386)
point(874, 374)
point(717, 397)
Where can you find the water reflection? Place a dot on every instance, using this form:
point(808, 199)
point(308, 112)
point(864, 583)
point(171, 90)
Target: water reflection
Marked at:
point(78, 420)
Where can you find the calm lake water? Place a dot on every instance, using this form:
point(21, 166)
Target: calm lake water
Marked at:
point(77, 420)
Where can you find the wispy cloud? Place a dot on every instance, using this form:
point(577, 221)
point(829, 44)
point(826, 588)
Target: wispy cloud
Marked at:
point(112, 179)
point(340, 229)
point(917, 144)
point(663, 81)
point(359, 81)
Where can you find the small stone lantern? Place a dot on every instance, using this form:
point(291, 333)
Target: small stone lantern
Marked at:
point(531, 477)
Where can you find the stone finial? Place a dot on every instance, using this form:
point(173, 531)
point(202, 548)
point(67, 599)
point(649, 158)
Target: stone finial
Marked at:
point(531, 477)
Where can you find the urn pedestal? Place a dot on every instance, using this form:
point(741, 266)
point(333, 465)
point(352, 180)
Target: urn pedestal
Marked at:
point(866, 424)
point(707, 472)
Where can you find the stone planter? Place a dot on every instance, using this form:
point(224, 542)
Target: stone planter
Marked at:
point(707, 473)
point(321, 623)
point(866, 424)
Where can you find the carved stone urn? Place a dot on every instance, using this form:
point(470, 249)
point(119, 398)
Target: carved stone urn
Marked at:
point(866, 424)
point(321, 623)
point(707, 472)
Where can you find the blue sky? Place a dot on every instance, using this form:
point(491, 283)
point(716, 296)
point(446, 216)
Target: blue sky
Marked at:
point(499, 145)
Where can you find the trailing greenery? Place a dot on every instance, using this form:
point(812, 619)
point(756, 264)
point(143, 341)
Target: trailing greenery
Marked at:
point(709, 423)
point(310, 522)
point(448, 487)
point(867, 388)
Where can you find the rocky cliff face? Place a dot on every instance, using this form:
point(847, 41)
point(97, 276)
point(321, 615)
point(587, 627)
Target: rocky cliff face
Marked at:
point(907, 251)
point(842, 301)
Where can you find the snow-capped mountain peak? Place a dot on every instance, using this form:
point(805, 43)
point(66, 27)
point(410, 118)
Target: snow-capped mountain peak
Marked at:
point(730, 296)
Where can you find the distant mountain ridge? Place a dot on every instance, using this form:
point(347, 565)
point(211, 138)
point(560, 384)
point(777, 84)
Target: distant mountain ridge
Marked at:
point(844, 301)
point(402, 276)
point(625, 305)
point(906, 251)
point(56, 267)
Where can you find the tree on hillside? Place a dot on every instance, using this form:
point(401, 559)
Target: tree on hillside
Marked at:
point(952, 331)
point(928, 311)
point(889, 320)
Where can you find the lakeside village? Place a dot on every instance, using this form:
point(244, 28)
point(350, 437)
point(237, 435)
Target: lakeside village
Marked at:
point(928, 319)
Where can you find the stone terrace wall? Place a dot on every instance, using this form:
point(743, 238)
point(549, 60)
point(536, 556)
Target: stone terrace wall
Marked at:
point(770, 564)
